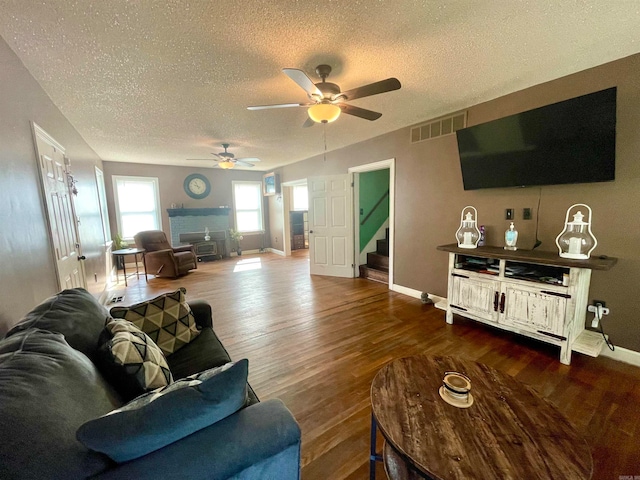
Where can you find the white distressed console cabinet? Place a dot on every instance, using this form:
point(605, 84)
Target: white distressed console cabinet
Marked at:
point(537, 294)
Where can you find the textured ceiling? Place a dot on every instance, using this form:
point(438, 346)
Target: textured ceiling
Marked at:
point(158, 82)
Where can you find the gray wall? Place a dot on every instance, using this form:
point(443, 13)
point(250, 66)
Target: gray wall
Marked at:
point(171, 184)
point(28, 273)
point(430, 195)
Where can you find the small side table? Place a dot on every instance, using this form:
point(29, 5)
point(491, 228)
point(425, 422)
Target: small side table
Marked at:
point(135, 252)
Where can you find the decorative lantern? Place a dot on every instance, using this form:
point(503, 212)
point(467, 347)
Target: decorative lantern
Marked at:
point(468, 234)
point(576, 240)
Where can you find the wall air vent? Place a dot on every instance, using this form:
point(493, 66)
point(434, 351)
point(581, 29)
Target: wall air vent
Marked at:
point(439, 127)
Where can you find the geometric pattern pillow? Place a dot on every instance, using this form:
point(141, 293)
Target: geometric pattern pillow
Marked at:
point(131, 361)
point(167, 319)
point(159, 418)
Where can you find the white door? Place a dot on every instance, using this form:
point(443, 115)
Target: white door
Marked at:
point(60, 212)
point(331, 225)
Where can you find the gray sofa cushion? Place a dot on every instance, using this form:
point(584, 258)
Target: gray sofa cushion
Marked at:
point(166, 415)
point(205, 352)
point(74, 313)
point(47, 390)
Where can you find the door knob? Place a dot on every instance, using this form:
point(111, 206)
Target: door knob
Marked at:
point(310, 231)
point(81, 257)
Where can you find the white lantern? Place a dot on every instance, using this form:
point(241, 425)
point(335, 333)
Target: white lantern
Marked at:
point(468, 234)
point(576, 240)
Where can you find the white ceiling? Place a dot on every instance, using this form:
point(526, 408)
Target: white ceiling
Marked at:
point(158, 82)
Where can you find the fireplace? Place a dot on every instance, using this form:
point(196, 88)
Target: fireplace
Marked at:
point(214, 248)
point(184, 221)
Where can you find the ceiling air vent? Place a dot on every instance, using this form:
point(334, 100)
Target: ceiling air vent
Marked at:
point(437, 128)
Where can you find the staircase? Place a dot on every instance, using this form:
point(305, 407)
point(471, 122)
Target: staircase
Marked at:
point(377, 267)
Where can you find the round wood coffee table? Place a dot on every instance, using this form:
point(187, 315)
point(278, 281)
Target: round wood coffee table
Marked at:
point(509, 432)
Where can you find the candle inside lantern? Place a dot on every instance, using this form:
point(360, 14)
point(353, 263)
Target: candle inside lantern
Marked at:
point(574, 245)
point(467, 238)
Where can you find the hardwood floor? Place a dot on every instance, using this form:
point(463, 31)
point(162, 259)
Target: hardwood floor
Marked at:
point(316, 343)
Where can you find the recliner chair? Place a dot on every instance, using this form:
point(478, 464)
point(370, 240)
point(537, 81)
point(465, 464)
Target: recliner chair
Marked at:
point(161, 259)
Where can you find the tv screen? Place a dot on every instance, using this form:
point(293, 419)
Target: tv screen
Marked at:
point(567, 142)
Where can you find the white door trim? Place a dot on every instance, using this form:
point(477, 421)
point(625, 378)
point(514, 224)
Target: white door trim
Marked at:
point(391, 165)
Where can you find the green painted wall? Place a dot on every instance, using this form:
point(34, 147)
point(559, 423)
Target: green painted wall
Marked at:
point(372, 186)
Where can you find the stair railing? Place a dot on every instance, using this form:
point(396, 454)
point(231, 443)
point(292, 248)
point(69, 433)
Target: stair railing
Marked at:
point(384, 195)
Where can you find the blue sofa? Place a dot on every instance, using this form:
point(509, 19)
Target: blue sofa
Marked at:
point(49, 387)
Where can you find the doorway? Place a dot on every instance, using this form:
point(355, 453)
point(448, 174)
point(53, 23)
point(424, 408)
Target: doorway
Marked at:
point(378, 198)
point(56, 182)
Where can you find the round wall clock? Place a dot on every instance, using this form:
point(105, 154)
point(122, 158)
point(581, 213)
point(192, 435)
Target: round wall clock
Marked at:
point(197, 186)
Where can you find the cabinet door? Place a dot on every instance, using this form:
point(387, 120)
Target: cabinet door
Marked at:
point(475, 296)
point(534, 310)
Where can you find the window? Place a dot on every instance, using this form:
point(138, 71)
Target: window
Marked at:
point(300, 197)
point(137, 204)
point(247, 204)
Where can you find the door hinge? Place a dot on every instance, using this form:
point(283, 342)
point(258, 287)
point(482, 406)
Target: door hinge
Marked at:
point(458, 275)
point(459, 308)
point(353, 184)
point(552, 335)
point(555, 294)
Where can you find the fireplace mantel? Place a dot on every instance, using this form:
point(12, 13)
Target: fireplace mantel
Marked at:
point(197, 212)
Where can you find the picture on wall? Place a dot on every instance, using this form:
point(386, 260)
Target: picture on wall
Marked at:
point(270, 184)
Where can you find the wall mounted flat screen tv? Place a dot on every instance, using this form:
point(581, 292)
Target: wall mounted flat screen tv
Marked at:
point(573, 141)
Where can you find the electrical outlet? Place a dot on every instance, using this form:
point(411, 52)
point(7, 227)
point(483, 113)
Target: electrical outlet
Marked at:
point(509, 214)
point(526, 214)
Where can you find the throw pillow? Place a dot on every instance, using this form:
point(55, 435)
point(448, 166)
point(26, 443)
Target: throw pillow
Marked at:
point(166, 415)
point(131, 361)
point(167, 319)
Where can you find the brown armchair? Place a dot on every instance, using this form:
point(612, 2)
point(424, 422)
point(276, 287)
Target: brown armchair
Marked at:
point(161, 259)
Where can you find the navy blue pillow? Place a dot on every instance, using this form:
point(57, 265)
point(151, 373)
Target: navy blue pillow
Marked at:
point(163, 416)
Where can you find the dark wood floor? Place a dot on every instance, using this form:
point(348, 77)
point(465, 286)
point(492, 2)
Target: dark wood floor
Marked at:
point(316, 343)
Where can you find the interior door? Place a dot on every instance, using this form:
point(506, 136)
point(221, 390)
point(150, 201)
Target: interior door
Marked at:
point(331, 225)
point(63, 227)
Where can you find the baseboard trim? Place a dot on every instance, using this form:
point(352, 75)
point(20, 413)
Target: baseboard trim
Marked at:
point(247, 252)
point(406, 291)
point(622, 355)
point(277, 252)
point(438, 302)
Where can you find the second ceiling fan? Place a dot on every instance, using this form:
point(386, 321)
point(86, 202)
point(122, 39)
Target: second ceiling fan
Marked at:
point(327, 101)
point(227, 160)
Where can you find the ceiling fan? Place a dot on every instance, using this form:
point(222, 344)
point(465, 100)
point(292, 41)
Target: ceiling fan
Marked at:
point(327, 101)
point(227, 160)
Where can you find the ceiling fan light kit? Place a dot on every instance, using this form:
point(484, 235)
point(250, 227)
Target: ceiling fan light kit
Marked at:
point(227, 165)
point(227, 160)
point(328, 100)
point(324, 112)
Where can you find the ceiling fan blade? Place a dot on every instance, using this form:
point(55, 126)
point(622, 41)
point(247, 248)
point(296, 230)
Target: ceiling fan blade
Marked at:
point(303, 81)
point(281, 105)
point(382, 86)
point(247, 159)
point(243, 164)
point(308, 123)
point(359, 112)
